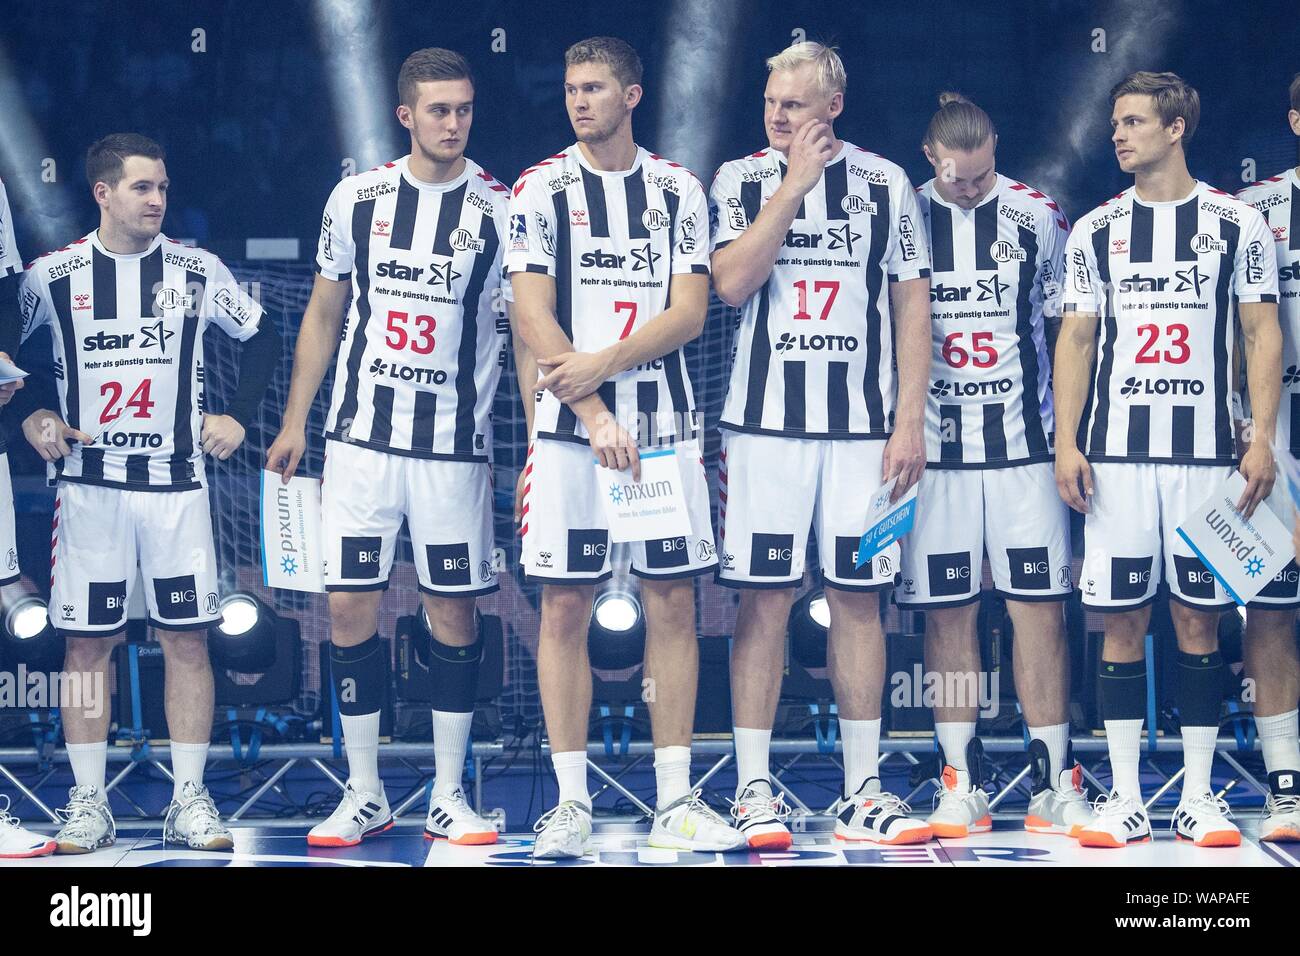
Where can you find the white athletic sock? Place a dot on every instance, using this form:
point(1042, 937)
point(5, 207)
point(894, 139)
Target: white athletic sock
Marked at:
point(361, 738)
point(752, 748)
point(88, 764)
point(861, 752)
point(672, 773)
point(450, 742)
point(954, 737)
point(1124, 742)
point(571, 772)
point(188, 762)
point(1279, 738)
point(1198, 757)
point(1056, 737)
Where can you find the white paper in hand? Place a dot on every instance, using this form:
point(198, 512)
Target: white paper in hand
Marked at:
point(649, 509)
point(291, 537)
point(1243, 554)
point(9, 372)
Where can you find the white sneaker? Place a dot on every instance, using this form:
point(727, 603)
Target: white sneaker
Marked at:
point(1203, 819)
point(87, 822)
point(760, 816)
point(878, 817)
point(17, 843)
point(691, 824)
point(1116, 821)
point(360, 814)
point(959, 808)
point(1281, 820)
point(563, 832)
point(194, 821)
point(1063, 810)
point(451, 818)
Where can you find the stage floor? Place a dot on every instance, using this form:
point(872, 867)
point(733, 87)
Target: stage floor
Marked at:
point(624, 845)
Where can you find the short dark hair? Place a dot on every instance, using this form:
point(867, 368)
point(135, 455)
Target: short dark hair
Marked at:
point(106, 157)
point(1295, 92)
point(1173, 98)
point(617, 54)
point(429, 66)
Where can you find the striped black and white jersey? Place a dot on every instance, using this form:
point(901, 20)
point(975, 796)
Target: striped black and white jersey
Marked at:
point(11, 264)
point(1164, 277)
point(613, 241)
point(1278, 201)
point(813, 353)
point(995, 273)
point(424, 341)
point(128, 355)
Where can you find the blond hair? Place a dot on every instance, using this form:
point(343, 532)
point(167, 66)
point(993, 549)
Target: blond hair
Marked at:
point(828, 68)
point(958, 124)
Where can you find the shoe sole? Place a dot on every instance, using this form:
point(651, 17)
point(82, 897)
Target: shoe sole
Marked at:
point(558, 855)
point(770, 841)
point(74, 849)
point(1283, 835)
point(1217, 838)
point(340, 842)
point(672, 843)
point(1039, 825)
point(469, 839)
point(955, 831)
point(1095, 838)
point(923, 835)
point(44, 850)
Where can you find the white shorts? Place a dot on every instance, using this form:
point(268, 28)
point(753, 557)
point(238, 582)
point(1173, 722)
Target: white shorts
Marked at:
point(773, 489)
point(9, 572)
point(566, 532)
point(1014, 513)
point(1283, 592)
point(1130, 536)
point(100, 534)
point(448, 510)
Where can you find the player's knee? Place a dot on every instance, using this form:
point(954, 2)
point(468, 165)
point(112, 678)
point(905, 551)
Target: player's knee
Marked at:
point(451, 619)
point(186, 648)
point(352, 616)
point(88, 653)
point(568, 606)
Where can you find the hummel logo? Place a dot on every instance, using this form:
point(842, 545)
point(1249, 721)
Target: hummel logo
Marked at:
point(842, 237)
point(992, 288)
point(1291, 376)
point(645, 258)
point(443, 275)
point(1190, 279)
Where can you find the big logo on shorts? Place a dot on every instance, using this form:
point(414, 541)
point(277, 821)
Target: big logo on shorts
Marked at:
point(107, 604)
point(771, 555)
point(587, 547)
point(1030, 570)
point(448, 564)
point(360, 557)
point(667, 553)
point(1194, 579)
point(950, 574)
point(1285, 584)
point(846, 560)
point(176, 598)
point(1129, 578)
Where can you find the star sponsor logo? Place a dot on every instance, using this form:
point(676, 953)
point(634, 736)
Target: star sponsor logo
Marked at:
point(842, 237)
point(1190, 280)
point(156, 334)
point(443, 275)
point(644, 259)
point(991, 289)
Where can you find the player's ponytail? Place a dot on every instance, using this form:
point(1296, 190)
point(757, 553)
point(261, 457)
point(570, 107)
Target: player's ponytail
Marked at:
point(958, 124)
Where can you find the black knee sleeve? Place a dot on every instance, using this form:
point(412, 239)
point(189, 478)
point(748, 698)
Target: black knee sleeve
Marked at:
point(358, 674)
point(1123, 690)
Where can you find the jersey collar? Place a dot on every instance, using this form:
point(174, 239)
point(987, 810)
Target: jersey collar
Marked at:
point(125, 256)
